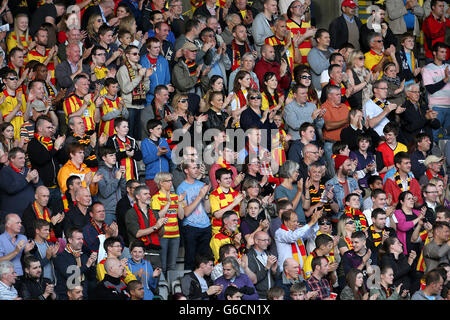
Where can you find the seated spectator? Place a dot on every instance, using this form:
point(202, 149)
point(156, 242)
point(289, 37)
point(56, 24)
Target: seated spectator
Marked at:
point(255, 115)
point(7, 281)
point(17, 183)
point(112, 287)
point(392, 256)
point(73, 183)
point(433, 287)
point(275, 293)
point(136, 290)
point(197, 285)
point(352, 205)
point(433, 164)
point(233, 276)
point(387, 291)
point(437, 251)
point(71, 257)
point(78, 216)
point(137, 264)
point(356, 288)
point(32, 286)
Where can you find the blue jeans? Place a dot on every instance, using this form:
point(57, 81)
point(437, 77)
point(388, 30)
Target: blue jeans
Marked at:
point(169, 253)
point(134, 123)
point(196, 241)
point(444, 118)
point(110, 218)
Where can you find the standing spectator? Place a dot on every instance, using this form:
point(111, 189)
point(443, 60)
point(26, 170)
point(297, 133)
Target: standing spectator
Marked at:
point(42, 54)
point(417, 117)
point(17, 184)
point(112, 185)
point(238, 47)
point(247, 64)
point(112, 108)
point(318, 281)
point(434, 27)
point(33, 286)
point(111, 287)
point(433, 287)
point(142, 224)
point(228, 233)
point(319, 56)
point(404, 16)
point(196, 223)
point(233, 276)
point(436, 81)
point(263, 23)
point(125, 204)
point(134, 82)
point(263, 264)
point(267, 63)
point(360, 78)
point(346, 28)
point(409, 69)
point(156, 154)
point(73, 256)
point(79, 215)
point(387, 150)
point(197, 285)
point(437, 251)
point(7, 281)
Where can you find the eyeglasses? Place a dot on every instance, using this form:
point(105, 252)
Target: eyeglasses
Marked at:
point(183, 100)
point(350, 222)
point(306, 77)
point(378, 41)
point(12, 78)
point(255, 97)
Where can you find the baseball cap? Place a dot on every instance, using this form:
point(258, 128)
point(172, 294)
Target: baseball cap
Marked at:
point(189, 46)
point(38, 105)
point(349, 3)
point(432, 159)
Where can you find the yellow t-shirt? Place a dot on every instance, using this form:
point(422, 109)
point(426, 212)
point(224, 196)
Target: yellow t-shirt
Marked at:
point(159, 201)
point(8, 105)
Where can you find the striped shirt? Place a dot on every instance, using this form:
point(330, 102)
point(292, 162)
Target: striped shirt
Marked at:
point(159, 201)
point(219, 200)
point(7, 293)
point(306, 45)
point(73, 103)
point(107, 126)
point(35, 55)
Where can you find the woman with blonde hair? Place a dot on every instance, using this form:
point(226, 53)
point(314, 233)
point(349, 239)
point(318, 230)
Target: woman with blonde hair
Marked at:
point(442, 191)
point(168, 205)
point(360, 78)
point(94, 23)
point(345, 227)
point(129, 23)
point(20, 36)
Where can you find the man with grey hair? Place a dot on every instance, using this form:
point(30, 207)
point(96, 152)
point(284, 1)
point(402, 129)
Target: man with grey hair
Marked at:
point(378, 55)
point(13, 244)
point(112, 287)
point(7, 280)
point(417, 117)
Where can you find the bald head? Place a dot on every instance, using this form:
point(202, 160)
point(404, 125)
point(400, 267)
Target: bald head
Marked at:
point(310, 153)
point(73, 52)
point(114, 267)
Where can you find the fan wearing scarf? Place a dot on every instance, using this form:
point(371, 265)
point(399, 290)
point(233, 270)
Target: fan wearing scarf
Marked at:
point(73, 256)
point(290, 238)
point(134, 83)
point(352, 205)
point(228, 233)
point(402, 179)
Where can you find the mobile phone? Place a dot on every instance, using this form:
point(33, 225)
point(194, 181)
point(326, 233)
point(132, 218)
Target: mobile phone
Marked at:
point(4, 27)
point(324, 198)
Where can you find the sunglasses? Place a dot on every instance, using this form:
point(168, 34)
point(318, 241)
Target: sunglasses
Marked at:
point(255, 97)
point(183, 100)
point(12, 78)
point(350, 222)
point(326, 223)
point(306, 77)
point(134, 53)
point(361, 58)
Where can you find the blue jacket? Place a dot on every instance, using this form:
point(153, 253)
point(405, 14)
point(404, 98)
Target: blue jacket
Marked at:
point(160, 75)
point(153, 162)
point(339, 194)
point(144, 274)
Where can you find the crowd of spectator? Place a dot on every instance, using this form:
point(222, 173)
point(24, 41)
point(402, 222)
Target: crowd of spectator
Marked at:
point(235, 145)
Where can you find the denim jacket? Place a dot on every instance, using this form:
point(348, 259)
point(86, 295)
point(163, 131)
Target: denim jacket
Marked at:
point(339, 194)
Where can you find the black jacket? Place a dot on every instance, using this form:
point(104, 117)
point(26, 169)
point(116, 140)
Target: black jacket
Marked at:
point(45, 162)
point(75, 218)
point(32, 289)
point(264, 283)
point(110, 289)
point(121, 210)
point(413, 121)
point(28, 219)
point(400, 267)
point(191, 287)
point(364, 33)
point(339, 31)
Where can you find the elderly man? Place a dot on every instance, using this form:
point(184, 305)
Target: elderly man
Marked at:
point(231, 20)
point(17, 183)
point(417, 117)
point(346, 28)
point(112, 287)
point(13, 244)
point(337, 79)
point(39, 210)
point(433, 165)
point(73, 36)
point(289, 276)
point(7, 281)
point(376, 23)
point(68, 69)
point(377, 56)
point(78, 216)
point(229, 233)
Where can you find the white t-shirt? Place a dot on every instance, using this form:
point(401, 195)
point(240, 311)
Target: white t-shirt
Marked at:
point(368, 214)
point(371, 110)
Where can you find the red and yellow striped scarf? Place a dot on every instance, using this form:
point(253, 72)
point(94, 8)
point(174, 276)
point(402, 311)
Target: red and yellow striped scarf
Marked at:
point(296, 254)
point(221, 161)
point(358, 217)
point(47, 142)
point(236, 54)
point(45, 215)
point(376, 236)
point(127, 161)
point(349, 243)
point(154, 238)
